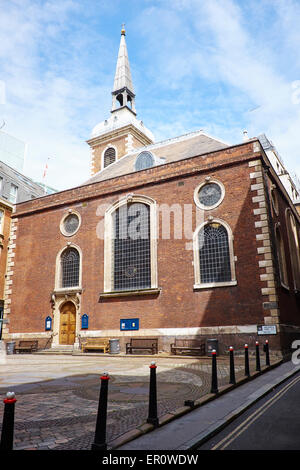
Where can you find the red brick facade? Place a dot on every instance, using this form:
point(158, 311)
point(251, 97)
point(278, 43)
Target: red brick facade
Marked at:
point(229, 314)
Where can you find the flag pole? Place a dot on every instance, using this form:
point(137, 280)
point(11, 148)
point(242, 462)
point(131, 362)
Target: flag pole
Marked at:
point(44, 174)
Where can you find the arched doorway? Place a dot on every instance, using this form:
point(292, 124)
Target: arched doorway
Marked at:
point(67, 323)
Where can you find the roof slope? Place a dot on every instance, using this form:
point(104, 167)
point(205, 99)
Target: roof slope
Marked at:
point(171, 150)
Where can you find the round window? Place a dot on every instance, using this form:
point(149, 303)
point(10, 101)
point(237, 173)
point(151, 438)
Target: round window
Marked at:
point(210, 194)
point(70, 224)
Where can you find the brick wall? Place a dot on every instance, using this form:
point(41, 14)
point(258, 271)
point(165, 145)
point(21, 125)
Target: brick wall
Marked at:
point(4, 241)
point(178, 308)
point(119, 143)
point(124, 141)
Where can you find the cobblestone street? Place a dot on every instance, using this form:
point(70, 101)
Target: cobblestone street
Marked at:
point(57, 396)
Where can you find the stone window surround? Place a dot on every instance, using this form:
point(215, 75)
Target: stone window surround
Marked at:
point(282, 255)
point(293, 240)
point(274, 199)
point(103, 152)
point(197, 277)
point(208, 180)
point(108, 227)
point(57, 284)
point(61, 225)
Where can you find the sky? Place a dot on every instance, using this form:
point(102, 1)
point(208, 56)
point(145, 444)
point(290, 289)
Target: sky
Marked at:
point(218, 65)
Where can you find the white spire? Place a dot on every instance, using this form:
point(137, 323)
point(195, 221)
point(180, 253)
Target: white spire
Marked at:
point(123, 95)
point(123, 112)
point(123, 75)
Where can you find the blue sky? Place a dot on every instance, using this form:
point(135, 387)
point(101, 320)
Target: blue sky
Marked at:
point(218, 65)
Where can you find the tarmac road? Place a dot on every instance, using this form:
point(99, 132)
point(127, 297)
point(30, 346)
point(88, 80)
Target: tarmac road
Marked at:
point(273, 423)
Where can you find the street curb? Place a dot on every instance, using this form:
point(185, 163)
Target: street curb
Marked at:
point(204, 436)
point(214, 429)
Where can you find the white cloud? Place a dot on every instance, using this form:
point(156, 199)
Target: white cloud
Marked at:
point(220, 65)
point(50, 102)
point(268, 86)
point(249, 48)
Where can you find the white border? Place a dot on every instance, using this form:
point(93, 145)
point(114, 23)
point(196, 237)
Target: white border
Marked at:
point(197, 277)
point(61, 225)
point(281, 254)
point(103, 152)
point(208, 180)
point(58, 287)
point(293, 241)
point(108, 237)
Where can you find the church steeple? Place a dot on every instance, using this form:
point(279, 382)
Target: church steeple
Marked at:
point(123, 93)
point(122, 132)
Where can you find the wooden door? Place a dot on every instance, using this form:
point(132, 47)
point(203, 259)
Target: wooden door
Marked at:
point(67, 324)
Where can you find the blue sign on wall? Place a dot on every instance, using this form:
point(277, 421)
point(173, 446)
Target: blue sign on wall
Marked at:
point(129, 324)
point(48, 323)
point(84, 321)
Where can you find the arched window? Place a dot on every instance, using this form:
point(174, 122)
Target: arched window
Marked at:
point(281, 258)
point(129, 101)
point(294, 247)
point(120, 99)
point(131, 253)
point(130, 245)
point(70, 263)
point(144, 160)
point(213, 255)
point(109, 157)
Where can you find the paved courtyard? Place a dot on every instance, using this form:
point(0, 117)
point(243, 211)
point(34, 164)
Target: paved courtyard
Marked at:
point(57, 395)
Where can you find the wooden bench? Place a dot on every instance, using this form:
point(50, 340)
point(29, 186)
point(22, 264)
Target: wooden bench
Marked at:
point(185, 345)
point(142, 343)
point(27, 346)
point(96, 344)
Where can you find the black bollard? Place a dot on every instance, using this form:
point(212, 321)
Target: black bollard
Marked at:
point(247, 370)
point(267, 353)
point(7, 434)
point(100, 433)
point(152, 411)
point(214, 375)
point(257, 357)
point(232, 372)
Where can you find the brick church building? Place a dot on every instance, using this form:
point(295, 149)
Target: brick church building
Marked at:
point(184, 238)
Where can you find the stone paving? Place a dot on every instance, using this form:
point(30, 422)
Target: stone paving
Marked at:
point(57, 396)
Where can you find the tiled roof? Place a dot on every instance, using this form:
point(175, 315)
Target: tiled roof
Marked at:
point(171, 150)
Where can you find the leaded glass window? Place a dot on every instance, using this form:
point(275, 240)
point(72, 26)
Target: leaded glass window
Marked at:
point(214, 254)
point(70, 268)
point(210, 194)
point(71, 223)
point(281, 258)
point(131, 263)
point(109, 156)
point(294, 248)
point(144, 160)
